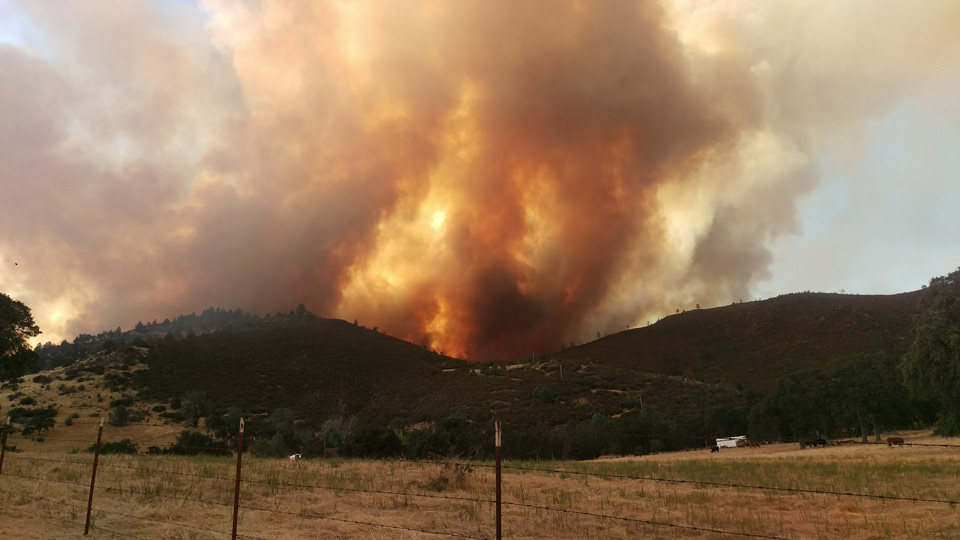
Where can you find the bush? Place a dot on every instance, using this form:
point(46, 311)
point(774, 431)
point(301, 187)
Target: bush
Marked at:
point(42, 379)
point(124, 401)
point(376, 443)
point(452, 476)
point(119, 416)
point(37, 425)
point(125, 446)
point(543, 395)
point(28, 401)
point(158, 408)
point(115, 382)
point(192, 443)
point(273, 447)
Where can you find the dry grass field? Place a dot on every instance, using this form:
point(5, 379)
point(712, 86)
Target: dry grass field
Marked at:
point(767, 492)
point(845, 491)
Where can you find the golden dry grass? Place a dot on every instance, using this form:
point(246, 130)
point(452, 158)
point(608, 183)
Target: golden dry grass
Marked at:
point(43, 494)
point(43, 491)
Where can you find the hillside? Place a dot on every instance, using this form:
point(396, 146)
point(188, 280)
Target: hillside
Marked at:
point(673, 384)
point(325, 367)
point(752, 344)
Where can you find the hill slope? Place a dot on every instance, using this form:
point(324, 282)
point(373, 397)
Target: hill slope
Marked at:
point(324, 367)
point(754, 343)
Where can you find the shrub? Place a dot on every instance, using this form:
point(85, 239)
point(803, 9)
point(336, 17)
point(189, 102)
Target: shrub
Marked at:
point(158, 408)
point(377, 443)
point(119, 416)
point(125, 446)
point(36, 425)
point(543, 395)
point(273, 447)
point(192, 443)
point(115, 382)
point(451, 476)
point(28, 401)
point(124, 401)
point(42, 379)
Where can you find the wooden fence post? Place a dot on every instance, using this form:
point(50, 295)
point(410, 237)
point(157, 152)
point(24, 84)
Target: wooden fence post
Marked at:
point(3, 445)
point(499, 491)
point(93, 477)
point(236, 489)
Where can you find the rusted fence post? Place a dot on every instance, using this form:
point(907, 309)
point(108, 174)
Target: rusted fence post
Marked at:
point(236, 489)
point(3, 445)
point(499, 491)
point(93, 478)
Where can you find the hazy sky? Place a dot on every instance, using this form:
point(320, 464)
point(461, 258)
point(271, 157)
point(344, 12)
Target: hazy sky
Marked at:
point(491, 179)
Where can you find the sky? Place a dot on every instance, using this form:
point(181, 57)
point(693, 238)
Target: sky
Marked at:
point(488, 179)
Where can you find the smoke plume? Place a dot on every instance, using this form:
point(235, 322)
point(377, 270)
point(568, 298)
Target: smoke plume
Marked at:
point(490, 179)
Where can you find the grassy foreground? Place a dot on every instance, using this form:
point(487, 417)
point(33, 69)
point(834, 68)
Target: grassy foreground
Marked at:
point(43, 495)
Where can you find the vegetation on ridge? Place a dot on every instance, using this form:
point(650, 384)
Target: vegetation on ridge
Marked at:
point(311, 385)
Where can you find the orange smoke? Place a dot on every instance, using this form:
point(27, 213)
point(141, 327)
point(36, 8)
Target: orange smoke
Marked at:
point(504, 159)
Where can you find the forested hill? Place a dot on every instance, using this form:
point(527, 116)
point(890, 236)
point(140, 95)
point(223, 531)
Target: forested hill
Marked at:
point(674, 384)
point(752, 344)
point(744, 345)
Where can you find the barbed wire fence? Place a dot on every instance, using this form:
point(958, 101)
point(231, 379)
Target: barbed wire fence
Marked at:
point(102, 498)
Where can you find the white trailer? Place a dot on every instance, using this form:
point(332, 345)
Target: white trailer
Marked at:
point(732, 442)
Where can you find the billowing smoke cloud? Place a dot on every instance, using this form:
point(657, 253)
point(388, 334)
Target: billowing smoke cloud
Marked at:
point(490, 179)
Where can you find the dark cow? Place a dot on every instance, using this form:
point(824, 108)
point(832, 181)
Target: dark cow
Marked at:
point(714, 449)
point(820, 442)
point(894, 441)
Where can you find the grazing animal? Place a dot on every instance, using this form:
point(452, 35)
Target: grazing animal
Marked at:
point(714, 449)
point(295, 457)
point(329, 453)
point(804, 444)
point(820, 442)
point(894, 441)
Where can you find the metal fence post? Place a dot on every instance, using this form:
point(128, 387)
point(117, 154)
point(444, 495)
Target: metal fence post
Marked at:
point(236, 489)
point(499, 491)
point(93, 477)
point(3, 445)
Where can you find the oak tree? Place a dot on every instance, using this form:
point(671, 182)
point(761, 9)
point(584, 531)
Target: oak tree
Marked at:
point(16, 327)
point(932, 366)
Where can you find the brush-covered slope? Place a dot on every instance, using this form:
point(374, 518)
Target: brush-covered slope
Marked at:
point(323, 367)
point(754, 343)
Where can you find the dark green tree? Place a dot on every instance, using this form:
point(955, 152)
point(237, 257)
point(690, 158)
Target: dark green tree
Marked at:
point(798, 408)
point(16, 327)
point(932, 366)
point(869, 394)
point(192, 443)
point(119, 416)
point(37, 425)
